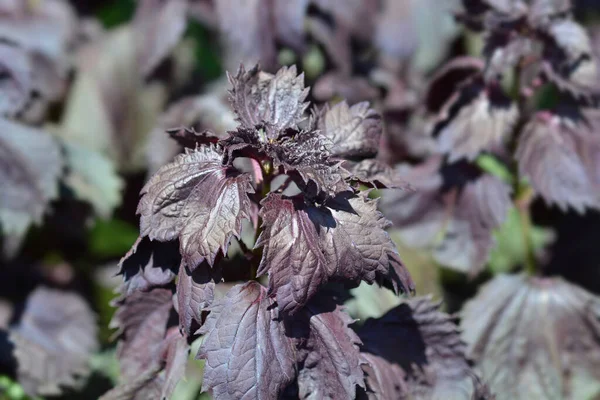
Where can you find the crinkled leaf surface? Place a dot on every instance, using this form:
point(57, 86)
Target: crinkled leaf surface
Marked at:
point(275, 100)
point(30, 165)
point(195, 292)
point(560, 156)
point(307, 245)
point(535, 338)
point(328, 351)
point(193, 116)
point(147, 346)
point(149, 264)
point(452, 213)
point(354, 131)
point(247, 353)
point(425, 344)
point(53, 341)
point(198, 200)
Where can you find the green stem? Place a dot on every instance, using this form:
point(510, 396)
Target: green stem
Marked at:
point(522, 203)
point(523, 192)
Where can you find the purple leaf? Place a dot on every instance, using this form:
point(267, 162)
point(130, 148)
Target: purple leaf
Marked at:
point(447, 80)
point(307, 245)
point(569, 61)
point(276, 101)
point(158, 26)
point(425, 343)
point(147, 346)
point(354, 131)
point(53, 341)
point(452, 213)
point(199, 200)
point(476, 119)
point(247, 37)
point(30, 166)
point(15, 80)
point(384, 380)
point(289, 17)
point(375, 173)
point(195, 292)
point(330, 358)
point(352, 88)
point(247, 353)
point(149, 264)
point(535, 337)
point(209, 114)
point(560, 155)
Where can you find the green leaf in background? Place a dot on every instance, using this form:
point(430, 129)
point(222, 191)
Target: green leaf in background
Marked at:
point(492, 165)
point(208, 60)
point(116, 12)
point(510, 248)
point(112, 238)
point(11, 390)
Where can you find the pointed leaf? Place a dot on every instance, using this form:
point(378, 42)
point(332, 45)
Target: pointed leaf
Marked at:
point(535, 337)
point(199, 200)
point(306, 245)
point(354, 131)
point(195, 292)
point(475, 119)
point(149, 264)
point(30, 166)
point(247, 353)
point(158, 25)
point(331, 365)
point(560, 155)
point(275, 100)
point(452, 213)
point(375, 173)
point(53, 341)
point(425, 343)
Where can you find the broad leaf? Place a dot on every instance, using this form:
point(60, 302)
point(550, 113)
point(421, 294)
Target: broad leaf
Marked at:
point(375, 173)
point(157, 27)
point(30, 165)
point(425, 344)
point(149, 264)
point(246, 37)
point(535, 337)
point(198, 200)
point(16, 79)
point(328, 351)
point(247, 353)
point(452, 213)
point(93, 178)
point(147, 346)
point(560, 155)
point(569, 61)
point(307, 245)
point(195, 292)
point(53, 341)
point(187, 121)
point(475, 119)
point(276, 101)
point(354, 131)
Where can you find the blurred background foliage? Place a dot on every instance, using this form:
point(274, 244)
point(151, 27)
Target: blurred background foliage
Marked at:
point(576, 253)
